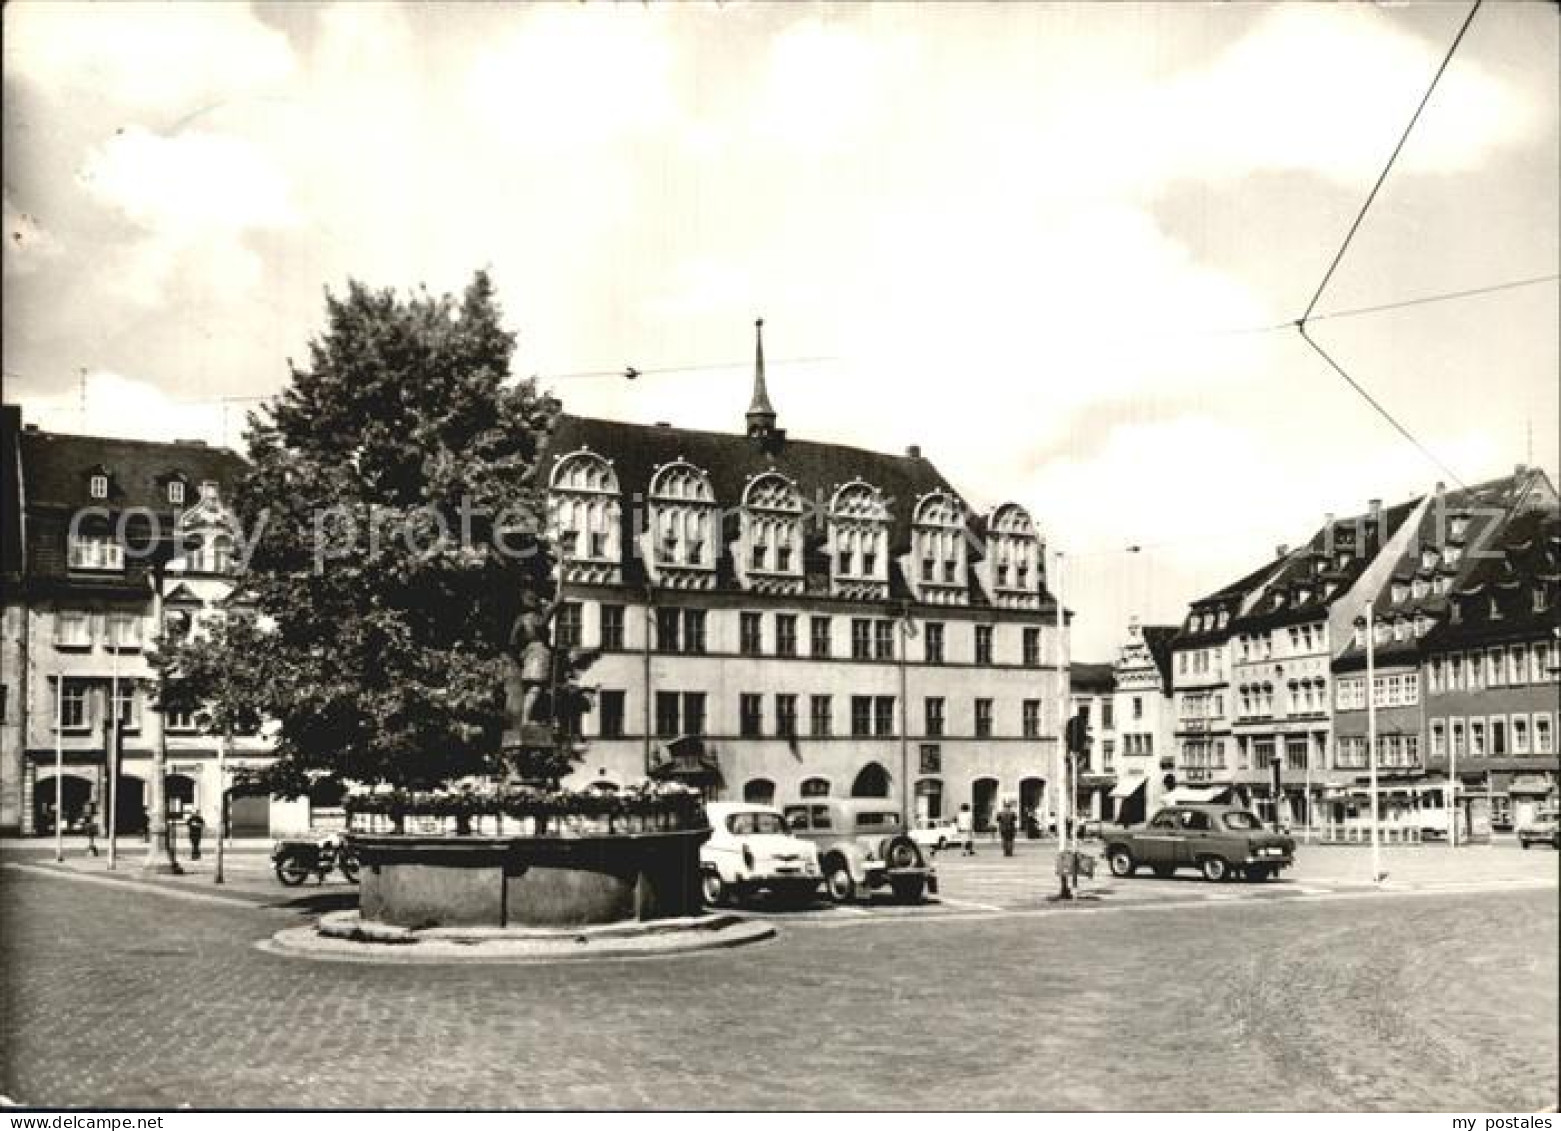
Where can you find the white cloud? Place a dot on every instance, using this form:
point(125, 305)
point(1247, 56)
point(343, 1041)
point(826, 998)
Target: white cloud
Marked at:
point(570, 77)
point(828, 84)
point(1327, 90)
point(189, 183)
point(144, 55)
point(135, 408)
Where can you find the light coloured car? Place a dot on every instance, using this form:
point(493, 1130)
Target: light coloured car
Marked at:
point(863, 848)
point(935, 833)
point(750, 851)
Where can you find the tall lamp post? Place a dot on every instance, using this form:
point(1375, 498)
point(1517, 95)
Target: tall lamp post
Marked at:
point(1368, 623)
point(159, 844)
point(1064, 803)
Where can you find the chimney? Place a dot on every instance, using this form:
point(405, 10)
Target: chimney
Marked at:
point(914, 451)
point(1281, 550)
point(1519, 470)
point(1376, 510)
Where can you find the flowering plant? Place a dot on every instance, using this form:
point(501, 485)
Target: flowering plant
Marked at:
point(670, 800)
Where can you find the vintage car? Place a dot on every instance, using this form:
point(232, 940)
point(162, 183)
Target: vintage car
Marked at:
point(1221, 841)
point(750, 851)
point(862, 847)
point(1543, 829)
point(935, 833)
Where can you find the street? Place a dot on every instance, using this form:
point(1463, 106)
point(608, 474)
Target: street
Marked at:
point(1310, 993)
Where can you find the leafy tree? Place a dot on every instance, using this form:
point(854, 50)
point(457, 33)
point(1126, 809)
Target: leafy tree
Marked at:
point(397, 523)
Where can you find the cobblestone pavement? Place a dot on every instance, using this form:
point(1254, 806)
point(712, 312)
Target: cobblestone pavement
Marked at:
point(1416, 1000)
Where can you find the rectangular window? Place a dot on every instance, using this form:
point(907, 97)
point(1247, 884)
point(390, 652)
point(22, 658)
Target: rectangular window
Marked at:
point(1515, 672)
point(694, 631)
point(1536, 663)
point(612, 628)
point(1438, 738)
point(1031, 718)
point(783, 558)
point(180, 721)
point(97, 487)
point(785, 634)
point(983, 644)
point(126, 706)
point(821, 711)
point(1107, 714)
point(1032, 647)
point(861, 639)
point(751, 715)
point(883, 715)
point(983, 718)
point(934, 643)
point(669, 626)
point(95, 553)
point(1498, 738)
point(567, 631)
point(1520, 742)
point(1434, 676)
point(1477, 737)
point(668, 714)
point(1138, 707)
point(786, 715)
point(752, 641)
point(176, 492)
point(1296, 747)
point(933, 711)
point(73, 704)
point(1544, 739)
point(861, 716)
point(1494, 677)
point(883, 640)
point(72, 630)
point(609, 711)
point(693, 712)
point(931, 758)
point(820, 638)
point(1457, 730)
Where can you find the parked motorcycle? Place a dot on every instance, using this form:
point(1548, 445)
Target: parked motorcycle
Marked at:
point(296, 860)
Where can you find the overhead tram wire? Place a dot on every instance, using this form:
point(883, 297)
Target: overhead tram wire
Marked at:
point(1300, 323)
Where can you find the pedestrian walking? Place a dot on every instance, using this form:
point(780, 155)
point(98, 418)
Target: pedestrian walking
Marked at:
point(965, 825)
point(196, 827)
point(89, 820)
point(1007, 828)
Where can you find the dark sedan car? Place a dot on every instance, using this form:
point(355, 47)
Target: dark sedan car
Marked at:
point(1221, 841)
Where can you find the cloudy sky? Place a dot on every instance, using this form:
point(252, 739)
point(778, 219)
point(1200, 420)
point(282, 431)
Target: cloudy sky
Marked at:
point(1034, 239)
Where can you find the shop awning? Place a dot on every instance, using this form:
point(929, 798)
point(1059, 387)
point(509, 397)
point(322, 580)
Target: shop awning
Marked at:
point(1127, 787)
point(1187, 795)
point(1532, 785)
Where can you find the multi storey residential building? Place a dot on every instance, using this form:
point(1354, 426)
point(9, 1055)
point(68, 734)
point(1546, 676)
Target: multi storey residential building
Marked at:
point(1201, 681)
point(1487, 643)
point(79, 617)
point(1283, 647)
point(1092, 697)
point(1145, 721)
point(782, 618)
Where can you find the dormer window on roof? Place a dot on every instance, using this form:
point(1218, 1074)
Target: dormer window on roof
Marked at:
point(208, 489)
point(769, 554)
point(97, 486)
point(1400, 591)
point(859, 541)
point(176, 492)
point(1224, 617)
point(586, 517)
point(935, 568)
point(683, 517)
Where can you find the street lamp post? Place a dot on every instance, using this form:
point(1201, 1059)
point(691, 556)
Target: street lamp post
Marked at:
point(1064, 802)
point(159, 844)
point(1371, 740)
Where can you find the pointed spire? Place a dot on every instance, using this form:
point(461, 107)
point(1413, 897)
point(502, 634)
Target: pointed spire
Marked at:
point(761, 414)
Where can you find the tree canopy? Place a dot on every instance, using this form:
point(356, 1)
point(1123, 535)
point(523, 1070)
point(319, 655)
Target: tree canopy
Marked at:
point(394, 521)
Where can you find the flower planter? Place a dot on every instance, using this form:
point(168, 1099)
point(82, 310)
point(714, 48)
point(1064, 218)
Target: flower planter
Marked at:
point(582, 877)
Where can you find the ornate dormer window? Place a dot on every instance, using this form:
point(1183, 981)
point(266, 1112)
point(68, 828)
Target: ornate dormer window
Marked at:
point(1427, 557)
point(683, 527)
point(935, 567)
point(584, 509)
point(1458, 527)
point(859, 541)
point(175, 491)
point(769, 553)
point(1399, 592)
point(1224, 617)
point(98, 480)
